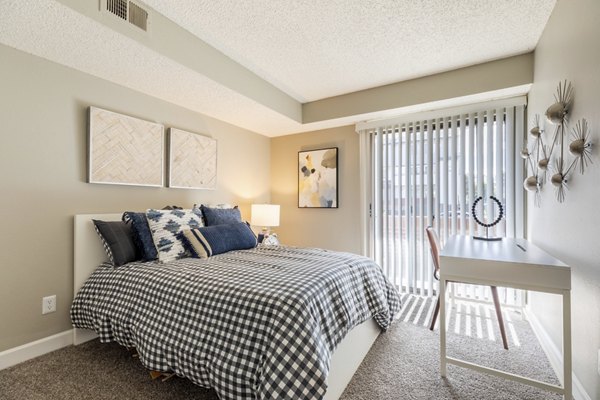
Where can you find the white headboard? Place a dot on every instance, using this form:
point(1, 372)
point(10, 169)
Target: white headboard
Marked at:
point(88, 254)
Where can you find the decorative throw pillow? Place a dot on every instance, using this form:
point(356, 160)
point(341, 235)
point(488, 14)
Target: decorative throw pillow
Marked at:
point(220, 205)
point(117, 240)
point(220, 216)
point(142, 236)
point(198, 208)
point(166, 226)
point(172, 208)
point(211, 240)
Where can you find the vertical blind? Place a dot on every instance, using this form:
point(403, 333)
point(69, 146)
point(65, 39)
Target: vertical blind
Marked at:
point(429, 171)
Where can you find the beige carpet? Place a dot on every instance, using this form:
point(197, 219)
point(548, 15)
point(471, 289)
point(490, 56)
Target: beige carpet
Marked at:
point(403, 364)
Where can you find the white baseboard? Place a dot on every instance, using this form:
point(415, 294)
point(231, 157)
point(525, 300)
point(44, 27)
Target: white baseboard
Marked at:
point(554, 355)
point(19, 354)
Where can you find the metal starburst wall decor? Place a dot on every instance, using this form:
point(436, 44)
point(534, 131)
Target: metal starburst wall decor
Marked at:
point(543, 160)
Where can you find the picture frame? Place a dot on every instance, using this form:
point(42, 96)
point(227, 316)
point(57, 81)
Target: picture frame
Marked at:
point(124, 150)
point(318, 178)
point(192, 160)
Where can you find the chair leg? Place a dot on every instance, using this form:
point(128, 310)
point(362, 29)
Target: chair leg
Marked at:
point(435, 313)
point(499, 315)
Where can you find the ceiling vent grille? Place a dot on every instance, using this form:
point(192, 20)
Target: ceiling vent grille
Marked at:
point(117, 7)
point(138, 16)
point(128, 11)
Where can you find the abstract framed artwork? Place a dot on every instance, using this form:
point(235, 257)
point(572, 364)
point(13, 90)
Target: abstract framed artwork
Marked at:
point(318, 178)
point(192, 160)
point(123, 150)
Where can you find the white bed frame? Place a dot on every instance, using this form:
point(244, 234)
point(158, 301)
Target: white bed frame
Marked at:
point(89, 253)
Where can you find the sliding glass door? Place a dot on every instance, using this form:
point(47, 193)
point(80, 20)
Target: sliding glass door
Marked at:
point(429, 172)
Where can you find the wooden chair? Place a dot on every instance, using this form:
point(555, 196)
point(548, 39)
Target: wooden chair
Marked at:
point(434, 244)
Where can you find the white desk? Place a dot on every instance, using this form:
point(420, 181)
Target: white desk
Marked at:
point(512, 263)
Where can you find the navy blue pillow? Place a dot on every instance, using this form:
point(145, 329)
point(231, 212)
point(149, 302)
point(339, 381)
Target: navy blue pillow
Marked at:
point(142, 236)
point(211, 240)
point(220, 216)
point(117, 240)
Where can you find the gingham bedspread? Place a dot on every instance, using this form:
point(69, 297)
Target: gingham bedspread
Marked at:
point(252, 324)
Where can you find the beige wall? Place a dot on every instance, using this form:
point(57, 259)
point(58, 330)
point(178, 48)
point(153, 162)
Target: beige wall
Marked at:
point(469, 81)
point(335, 229)
point(569, 50)
point(42, 169)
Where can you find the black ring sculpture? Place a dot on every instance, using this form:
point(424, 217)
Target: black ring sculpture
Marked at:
point(487, 226)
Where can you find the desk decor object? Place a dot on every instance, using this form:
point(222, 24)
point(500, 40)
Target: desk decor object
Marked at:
point(123, 150)
point(192, 160)
point(318, 178)
point(487, 226)
point(542, 159)
point(265, 216)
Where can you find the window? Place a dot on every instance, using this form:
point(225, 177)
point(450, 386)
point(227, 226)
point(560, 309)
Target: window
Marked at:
point(429, 171)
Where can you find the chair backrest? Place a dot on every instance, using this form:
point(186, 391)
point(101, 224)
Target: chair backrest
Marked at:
point(434, 246)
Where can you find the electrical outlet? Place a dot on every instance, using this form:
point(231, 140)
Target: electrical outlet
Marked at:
point(49, 304)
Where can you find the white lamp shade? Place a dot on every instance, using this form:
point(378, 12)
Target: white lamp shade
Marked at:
point(265, 215)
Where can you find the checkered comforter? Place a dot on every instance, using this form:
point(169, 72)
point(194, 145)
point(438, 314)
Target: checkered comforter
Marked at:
point(252, 324)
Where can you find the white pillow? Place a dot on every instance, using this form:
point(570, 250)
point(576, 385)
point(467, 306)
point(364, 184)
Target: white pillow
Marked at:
point(166, 227)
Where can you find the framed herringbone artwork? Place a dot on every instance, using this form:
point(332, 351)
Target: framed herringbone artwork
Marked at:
point(123, 150)
point(192, 160)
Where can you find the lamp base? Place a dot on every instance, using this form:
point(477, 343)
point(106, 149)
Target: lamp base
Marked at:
point(271, 239)
point(264, 233)
point(267, 237)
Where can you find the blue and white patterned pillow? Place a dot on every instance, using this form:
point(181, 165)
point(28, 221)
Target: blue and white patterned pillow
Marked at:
point(166, 227)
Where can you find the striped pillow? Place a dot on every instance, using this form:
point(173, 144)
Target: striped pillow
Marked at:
point(212, 240)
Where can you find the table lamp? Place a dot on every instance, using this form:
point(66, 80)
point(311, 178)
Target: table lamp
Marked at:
point(265, 216)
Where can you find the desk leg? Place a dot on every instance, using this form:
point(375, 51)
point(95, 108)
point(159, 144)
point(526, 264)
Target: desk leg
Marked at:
point(567, 356)
point(442, 322)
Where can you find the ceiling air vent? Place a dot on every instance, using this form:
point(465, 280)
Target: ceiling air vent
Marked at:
point(138, 16)
point(128, 11)
point(117, 7)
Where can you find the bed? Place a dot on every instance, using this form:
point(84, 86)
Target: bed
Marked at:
point(233, 346)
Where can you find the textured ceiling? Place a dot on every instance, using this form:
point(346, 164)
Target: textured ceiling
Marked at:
point(68, 38)
point(314, 49)
point(310, 49)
